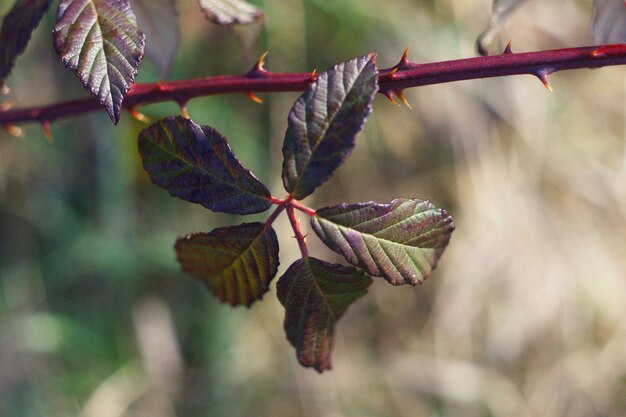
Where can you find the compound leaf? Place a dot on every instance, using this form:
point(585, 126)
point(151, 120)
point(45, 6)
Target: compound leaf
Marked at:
point(237, 263)
point(195, 163)
point(609, 21)
point(400, 241)
point(324, 122)
point(230, 12)
point(502, 10)
point(17, 26)
point(315, 295)
point(100, 41)
point(159, 21)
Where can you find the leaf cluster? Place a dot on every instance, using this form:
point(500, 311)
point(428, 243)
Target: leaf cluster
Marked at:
point(400, 241)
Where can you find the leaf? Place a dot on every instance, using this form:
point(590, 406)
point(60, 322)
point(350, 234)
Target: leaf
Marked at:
point(17, 27)
point(400, 241)
point(609, 21)
point(100, 41)
point(502, 10)
point(159, 21)
point(196, 164)
point(324, 122)
point(237, 263)
point(230, 12)
point(315, 295)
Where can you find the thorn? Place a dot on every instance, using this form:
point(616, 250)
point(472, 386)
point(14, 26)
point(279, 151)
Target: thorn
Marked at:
point(7, 105)
point(254, 98)
point(139, 116)
point(392, 73)
point(313, 76)
point(259, 64)
point(400, 95)
point(14, 131)
point(304, 236)
point(389, 95)
point(47, 132)
point(404, 59)
point(507, 49)
point(183, 110)
point(159, 86)
point(543, 77)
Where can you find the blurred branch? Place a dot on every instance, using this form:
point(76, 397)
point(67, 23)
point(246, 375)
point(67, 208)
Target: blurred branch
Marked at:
point(391, 80)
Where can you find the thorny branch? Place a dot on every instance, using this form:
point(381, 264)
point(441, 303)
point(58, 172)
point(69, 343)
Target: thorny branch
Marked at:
point(392, 81)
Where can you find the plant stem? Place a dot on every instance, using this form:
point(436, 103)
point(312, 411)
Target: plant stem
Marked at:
point(391, 80)
point(295, 224)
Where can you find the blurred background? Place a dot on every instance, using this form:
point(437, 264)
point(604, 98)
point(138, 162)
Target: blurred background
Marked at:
point(525, 316)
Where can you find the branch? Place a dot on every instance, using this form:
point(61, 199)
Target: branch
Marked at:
point(391, 80)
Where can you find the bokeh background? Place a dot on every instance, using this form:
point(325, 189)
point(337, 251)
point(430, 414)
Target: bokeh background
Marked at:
point(526, 315)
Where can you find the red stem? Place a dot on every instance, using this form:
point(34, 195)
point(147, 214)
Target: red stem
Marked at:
point(295, 224)
point(395, 79)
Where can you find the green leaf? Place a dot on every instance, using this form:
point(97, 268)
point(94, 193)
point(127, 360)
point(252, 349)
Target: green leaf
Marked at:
point(196, 164)
point(159, 21)
point(17, 27)
point(230, 12)
point(315, 295)
point(324, 122)
point(100, 41)
point(400, 241)
point(237, 263)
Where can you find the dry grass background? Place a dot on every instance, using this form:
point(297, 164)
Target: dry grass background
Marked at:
point(526, 315)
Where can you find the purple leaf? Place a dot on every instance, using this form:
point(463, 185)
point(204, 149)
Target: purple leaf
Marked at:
point(324, 122)
point(196, 164)
point(159, 21)
point(230, 12)
point(237, 263)
point(315, 295)
point(609, 21)
point(17, 27)
point(99, 40)
point(400, 241)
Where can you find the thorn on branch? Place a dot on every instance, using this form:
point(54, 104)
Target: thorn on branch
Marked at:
point(258, 70)
point(47, 132)
point(314, 75)
point(543, 77)
point(400, 95)
point(254, 98)
point(139, 116)
point(507, 49)
point(389, 95)
point(14, 131)
point(183, 110)
point(404, 58)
